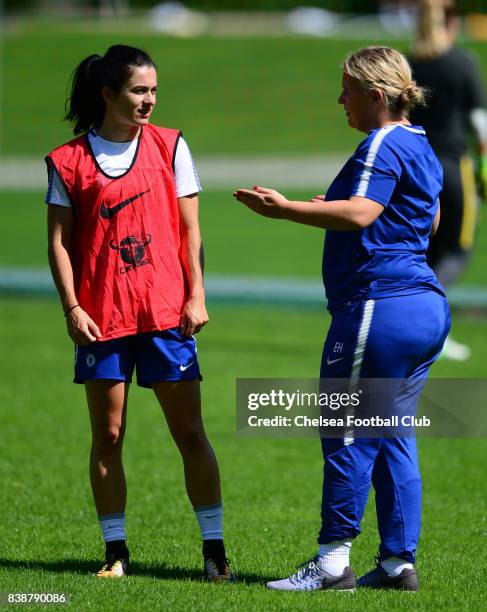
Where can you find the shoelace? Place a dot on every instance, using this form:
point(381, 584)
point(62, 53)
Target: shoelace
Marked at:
point(372, 576)
point(309, 569)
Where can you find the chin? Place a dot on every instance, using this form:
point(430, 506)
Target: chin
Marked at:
point(139, 121)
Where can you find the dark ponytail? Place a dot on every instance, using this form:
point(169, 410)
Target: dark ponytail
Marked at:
point(86, 107)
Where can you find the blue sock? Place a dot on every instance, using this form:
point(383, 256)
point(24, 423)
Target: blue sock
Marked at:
point(210, 519)
point(112, 526)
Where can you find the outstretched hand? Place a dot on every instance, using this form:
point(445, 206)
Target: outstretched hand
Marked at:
point(263, 201)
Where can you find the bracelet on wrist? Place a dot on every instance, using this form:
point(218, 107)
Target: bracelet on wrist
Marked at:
point(66, 312)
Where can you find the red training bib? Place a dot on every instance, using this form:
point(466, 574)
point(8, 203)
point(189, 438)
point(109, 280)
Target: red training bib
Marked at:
point(125, 247)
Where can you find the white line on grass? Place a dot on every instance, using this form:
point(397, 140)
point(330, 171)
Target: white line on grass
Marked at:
point(240, 289)
point(215, 172)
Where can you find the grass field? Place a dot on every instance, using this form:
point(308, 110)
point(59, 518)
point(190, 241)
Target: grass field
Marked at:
point(220, 92)
point(50, 538)
point(228, 100)
point(49, 531)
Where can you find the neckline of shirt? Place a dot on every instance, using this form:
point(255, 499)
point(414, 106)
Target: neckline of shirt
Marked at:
point(113, 143)
point(416, 129)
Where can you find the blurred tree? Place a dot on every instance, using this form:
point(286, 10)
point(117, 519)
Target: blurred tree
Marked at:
point(106, 7)
point(117, 6)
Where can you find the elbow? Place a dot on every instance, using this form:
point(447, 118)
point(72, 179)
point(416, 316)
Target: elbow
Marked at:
point(52, 255)
point(363, 216)
point(347, 224)
point(358, 224)
point(359, 221)
point(56, 248)
point(362, 212)
point(51, 251)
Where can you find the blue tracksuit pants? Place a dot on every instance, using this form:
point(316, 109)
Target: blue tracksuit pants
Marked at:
point(393, 337)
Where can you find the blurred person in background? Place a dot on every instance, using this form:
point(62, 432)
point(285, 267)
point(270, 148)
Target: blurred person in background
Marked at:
point(397, 16)
point(389, 314)
point(455, 108)
point(126, 255)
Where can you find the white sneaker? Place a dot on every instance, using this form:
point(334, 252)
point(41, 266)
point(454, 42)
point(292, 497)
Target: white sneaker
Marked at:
point(455, 351)
point(311, 577)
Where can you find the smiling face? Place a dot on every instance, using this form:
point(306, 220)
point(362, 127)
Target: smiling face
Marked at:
point(360, 107)
point(132, 106)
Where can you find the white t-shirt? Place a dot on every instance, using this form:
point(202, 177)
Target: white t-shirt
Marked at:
point(115, 158)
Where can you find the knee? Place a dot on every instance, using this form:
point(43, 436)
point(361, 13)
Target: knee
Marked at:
point(190, 440)
point(108, 441)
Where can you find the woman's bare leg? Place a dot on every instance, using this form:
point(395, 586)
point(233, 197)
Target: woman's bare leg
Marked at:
point(181, 403)
point(107, 403)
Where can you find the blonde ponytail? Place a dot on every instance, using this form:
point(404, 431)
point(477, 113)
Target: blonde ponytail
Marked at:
point(383, 68)
point(432, 38)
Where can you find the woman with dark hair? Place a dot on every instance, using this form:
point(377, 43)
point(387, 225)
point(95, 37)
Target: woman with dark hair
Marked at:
point(455, 109)
point(126, 256)
point(389, 316)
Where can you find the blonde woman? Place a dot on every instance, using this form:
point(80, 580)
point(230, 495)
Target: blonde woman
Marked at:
point(456, 104)
point(390, 316)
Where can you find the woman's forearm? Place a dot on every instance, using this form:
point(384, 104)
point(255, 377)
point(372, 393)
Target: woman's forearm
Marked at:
point(337, 215)
point(194, 315)
point(345, 215)
point(191, 245)
point(59, 229)
point(62, 274)
point(192, 249)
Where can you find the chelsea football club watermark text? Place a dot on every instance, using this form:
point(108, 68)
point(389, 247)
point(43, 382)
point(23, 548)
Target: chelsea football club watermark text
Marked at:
point(362, 408)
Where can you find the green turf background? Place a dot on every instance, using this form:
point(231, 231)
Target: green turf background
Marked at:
point(236, 241)
point(248, 97)
point(50, 539)
point(220, 92)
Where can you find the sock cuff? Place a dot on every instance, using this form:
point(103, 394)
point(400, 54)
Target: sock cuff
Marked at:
point(210, 520)
point(206, 508)
point(112, 526)
point(346, 543)
point(394, 565)
point(111, 517)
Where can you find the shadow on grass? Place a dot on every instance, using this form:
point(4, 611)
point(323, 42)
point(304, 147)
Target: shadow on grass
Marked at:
point(79, 566)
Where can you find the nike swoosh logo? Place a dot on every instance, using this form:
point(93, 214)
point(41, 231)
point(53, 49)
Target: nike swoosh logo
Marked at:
point(330, 361)
point(184, 368)
point(108, 213)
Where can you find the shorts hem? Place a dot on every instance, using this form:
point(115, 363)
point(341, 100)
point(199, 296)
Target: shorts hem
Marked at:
point(148, 385)
point(79, 380)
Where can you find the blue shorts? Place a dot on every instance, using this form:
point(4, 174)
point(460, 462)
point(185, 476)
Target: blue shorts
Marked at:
point(157, 356)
